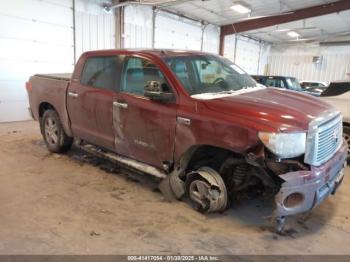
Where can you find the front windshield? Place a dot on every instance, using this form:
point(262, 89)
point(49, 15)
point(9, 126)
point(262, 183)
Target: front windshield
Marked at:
point(293, 83)
point(201, 74)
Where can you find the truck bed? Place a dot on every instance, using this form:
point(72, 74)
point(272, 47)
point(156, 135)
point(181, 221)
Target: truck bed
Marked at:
point(50, 89)
point(61, 76)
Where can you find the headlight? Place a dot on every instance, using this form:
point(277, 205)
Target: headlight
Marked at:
point(284, 145)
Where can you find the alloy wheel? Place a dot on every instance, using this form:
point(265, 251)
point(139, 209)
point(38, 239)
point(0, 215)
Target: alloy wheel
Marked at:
point(51, 131)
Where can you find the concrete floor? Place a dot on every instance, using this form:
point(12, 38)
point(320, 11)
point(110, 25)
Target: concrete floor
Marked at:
point(59, 204)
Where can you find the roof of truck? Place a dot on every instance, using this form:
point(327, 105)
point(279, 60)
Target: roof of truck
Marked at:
point(157, 52)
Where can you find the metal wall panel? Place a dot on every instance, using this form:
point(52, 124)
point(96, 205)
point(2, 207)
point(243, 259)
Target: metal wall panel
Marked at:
point(138, 27)
point(94, 28)
point(35, 37)
point(297, 62)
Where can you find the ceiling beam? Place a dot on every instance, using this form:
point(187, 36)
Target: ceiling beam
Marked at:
point(283, 18)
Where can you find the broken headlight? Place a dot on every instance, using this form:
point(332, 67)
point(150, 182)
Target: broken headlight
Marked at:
point(284, 145)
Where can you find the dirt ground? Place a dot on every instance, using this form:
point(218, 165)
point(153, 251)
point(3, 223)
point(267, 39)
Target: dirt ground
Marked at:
point(60, 204)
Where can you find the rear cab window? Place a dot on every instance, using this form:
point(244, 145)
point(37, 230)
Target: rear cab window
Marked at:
point(101, 72)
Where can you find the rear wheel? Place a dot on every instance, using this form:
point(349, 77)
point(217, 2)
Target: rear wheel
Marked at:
point(346, 135)
point(55, 138)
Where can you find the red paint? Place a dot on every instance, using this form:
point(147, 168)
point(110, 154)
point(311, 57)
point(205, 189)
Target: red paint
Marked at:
point(148, 130)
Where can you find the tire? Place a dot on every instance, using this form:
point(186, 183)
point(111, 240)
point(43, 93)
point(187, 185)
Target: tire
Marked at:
point(55, 138)
point(346, 135)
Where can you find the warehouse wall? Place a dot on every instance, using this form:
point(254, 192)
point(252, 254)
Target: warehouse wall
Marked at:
point(170, 31)
point(249, 54)
point(138, 27)
point(95, 29)
point(297, 61)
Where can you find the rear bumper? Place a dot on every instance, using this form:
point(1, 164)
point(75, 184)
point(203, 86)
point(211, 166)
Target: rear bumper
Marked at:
point(313, 186)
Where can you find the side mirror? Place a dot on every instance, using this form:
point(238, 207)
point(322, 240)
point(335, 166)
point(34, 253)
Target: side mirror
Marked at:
point(154, 90)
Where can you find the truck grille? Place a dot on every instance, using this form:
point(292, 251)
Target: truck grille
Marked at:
point(323, 140)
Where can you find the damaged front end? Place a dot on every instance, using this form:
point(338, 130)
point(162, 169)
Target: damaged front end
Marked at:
point(299, 169)
point(304, 189)
point(296, 186)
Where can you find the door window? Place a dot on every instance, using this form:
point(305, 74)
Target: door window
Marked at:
point(101, 72)
point(137, 73)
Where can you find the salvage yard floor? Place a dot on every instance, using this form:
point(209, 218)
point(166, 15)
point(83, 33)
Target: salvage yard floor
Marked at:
point(72, 204)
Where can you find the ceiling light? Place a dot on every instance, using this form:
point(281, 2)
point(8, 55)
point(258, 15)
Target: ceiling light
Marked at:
point(240, 8)
point(293, 34)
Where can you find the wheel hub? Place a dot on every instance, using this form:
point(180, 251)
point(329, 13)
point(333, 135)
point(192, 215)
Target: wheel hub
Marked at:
point(51, 131)
point(199, 192)
point(207, 191)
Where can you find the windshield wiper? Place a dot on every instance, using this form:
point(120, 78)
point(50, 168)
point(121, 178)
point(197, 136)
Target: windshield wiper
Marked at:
point(229, 92)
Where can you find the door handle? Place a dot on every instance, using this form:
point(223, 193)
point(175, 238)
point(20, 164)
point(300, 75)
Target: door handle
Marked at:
point(184, 121)
point(73, 94)
point(120, 104)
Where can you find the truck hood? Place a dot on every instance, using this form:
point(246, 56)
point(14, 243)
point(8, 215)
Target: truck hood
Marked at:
point(280, 110)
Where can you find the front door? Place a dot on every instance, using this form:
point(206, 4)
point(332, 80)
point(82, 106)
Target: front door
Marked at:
point(145, 129)
point(90, 100)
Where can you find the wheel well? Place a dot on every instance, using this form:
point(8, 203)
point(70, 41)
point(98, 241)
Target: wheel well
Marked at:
point(206, 155)
point(44, 107)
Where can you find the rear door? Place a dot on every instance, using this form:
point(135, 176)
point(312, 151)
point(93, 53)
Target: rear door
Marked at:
point(144, 129)
point(90, 100)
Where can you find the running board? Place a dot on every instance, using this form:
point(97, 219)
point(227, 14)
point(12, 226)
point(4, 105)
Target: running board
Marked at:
point(123, 161)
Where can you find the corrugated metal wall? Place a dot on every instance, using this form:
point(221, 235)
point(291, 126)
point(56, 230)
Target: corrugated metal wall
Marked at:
point(95, 29)
point(297, 62)
point(138, 27)
point(36, 37)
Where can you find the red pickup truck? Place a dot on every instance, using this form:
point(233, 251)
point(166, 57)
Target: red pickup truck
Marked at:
point(197, 122)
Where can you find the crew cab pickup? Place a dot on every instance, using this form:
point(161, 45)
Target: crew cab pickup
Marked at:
point(197, 122)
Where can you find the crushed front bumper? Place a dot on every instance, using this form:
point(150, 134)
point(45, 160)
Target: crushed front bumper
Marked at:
point(311, 187)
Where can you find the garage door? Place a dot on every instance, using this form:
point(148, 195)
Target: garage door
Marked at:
point(175, 32)
point(247, 55)
point(36, 36)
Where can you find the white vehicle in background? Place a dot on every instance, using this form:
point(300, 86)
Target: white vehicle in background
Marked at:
point(338, 95)
point(314, 88)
